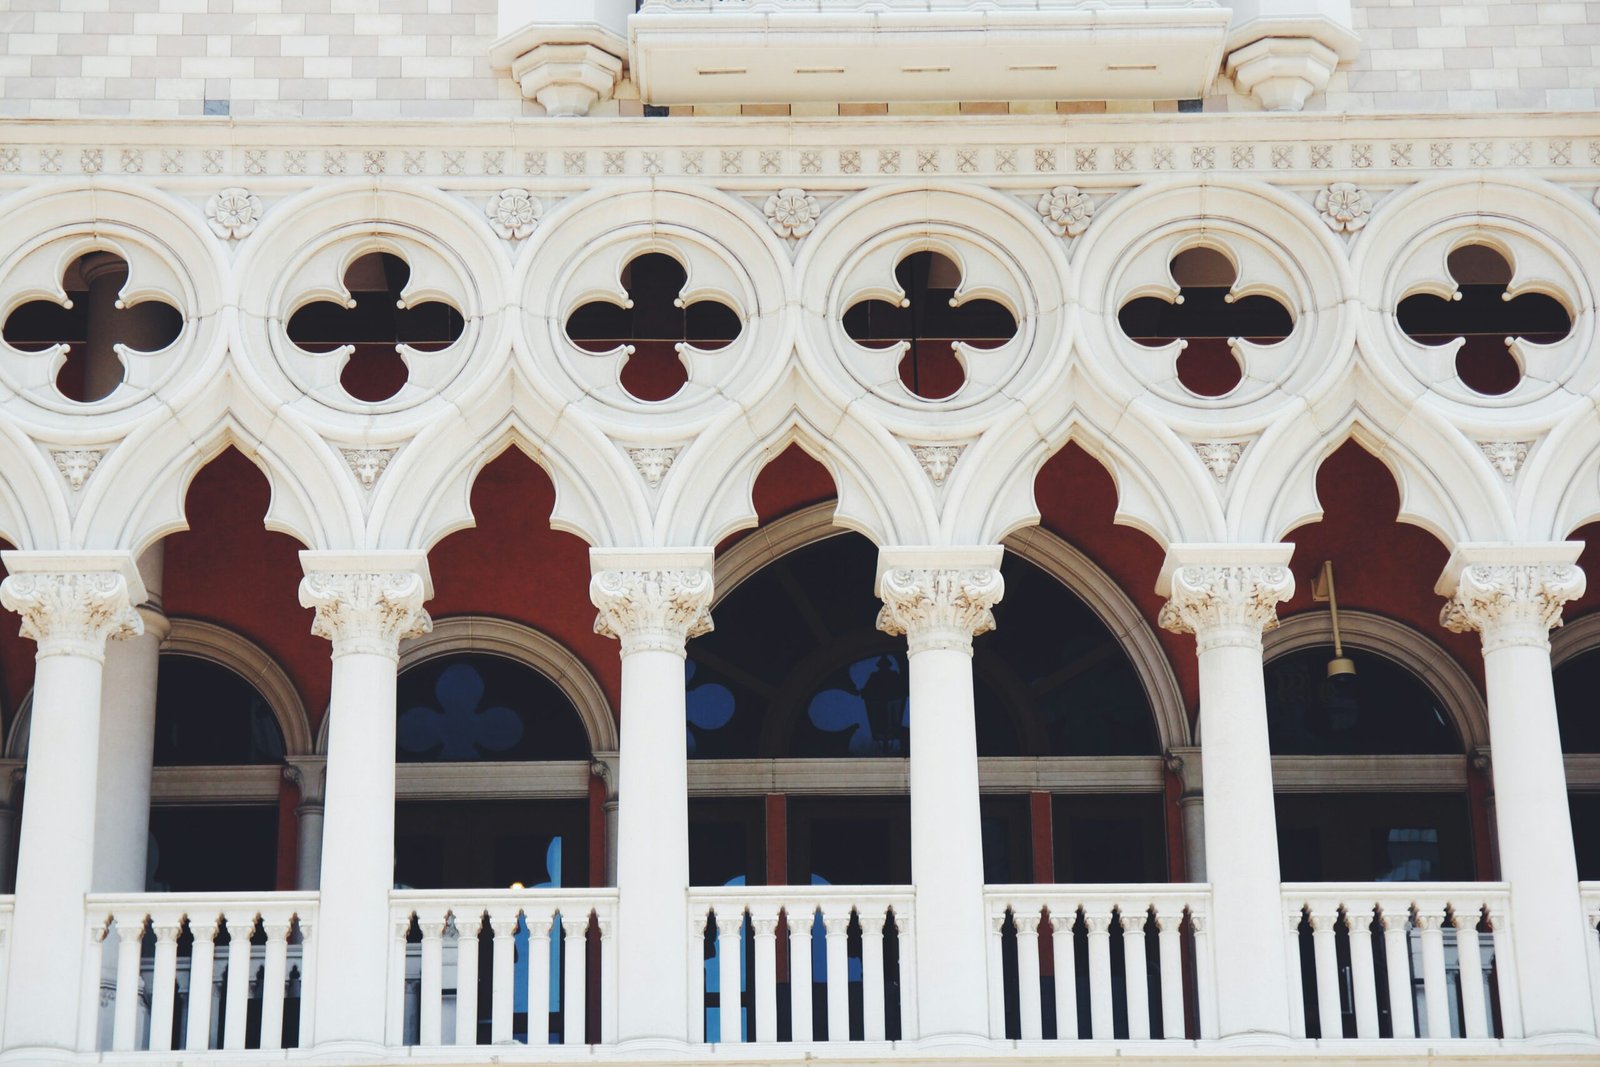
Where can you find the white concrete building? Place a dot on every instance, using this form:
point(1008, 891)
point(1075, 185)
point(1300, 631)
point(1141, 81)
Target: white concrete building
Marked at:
point(492, 491)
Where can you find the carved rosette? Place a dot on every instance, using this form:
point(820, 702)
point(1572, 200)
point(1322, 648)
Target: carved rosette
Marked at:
point(1512, 604)
point(366, 613)
point(72, 614)
point(1228, 605)
point(939, 609)
point(652, 610)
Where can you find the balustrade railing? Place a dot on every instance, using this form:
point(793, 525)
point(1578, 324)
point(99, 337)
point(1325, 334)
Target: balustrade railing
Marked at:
point(536, 966)
point(1100, 962)
point(190, 972)
point(802, 964)
point(1401, 960)
point(1590, 894)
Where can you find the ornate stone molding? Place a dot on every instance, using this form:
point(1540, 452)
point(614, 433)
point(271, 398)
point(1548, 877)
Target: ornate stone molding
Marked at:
point(1511, 603)
point(368, 464)
point(514, 213)
point(656, 604)
point(1220, 457)
point(652, 463)
point(1506, 457)
point(76, 464)
point(938, 461)
point(366, 603)
point(73, 610)
point(791, 213)
point(939, 607)
point(233, 213)
point(1229, 600)
point(309, 774)
point(1067, 210)
point(1344, 206)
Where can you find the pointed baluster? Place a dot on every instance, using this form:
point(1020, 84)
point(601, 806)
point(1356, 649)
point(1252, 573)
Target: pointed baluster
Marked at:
point(799, 921)
point(1397, 961)
point(1169, 948)
point(1030, 1007)
point(838, 927)
point(1434, 990)
point(467, 924)
point(430, 1024)
point(873, 1024)
point(1136, 972)
point(1098, 923)
point(730, 926)
point(125, 1024)
point(1363, 975)
point(997, 975)
point(202, 967)
point(541, 943)
point(1062, 921)
point(1324, 932)
point(608, 979)
point(575, 972)
point(308, 984)
point(763, 925)
point(274, 977)
point(504, 925)
point(1469, 951)
point(236, 1002)
point(164, 981)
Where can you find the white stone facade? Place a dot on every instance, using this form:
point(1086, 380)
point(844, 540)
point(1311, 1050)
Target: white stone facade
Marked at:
point(789, 220)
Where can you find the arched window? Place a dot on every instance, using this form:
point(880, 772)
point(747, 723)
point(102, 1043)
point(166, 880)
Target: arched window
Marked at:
point(1577, 676)
point(207, 714)
point(472, 707)
point(1380, 709)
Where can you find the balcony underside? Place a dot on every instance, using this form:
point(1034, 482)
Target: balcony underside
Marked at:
point(689, 56)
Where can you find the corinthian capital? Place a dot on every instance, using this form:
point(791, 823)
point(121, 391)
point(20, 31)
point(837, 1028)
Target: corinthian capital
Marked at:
point(1511, 594)
point(939, 597)
point(651, 600)
point(1226, 595)
point(366, 602)
point(72, 603)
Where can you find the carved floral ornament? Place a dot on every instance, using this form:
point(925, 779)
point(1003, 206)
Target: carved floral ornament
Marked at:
point(233, 213)
point(514, 213)
point(1226, 605)
point(1512, 604)
point(652, 610)
point(72, 613)
point(1067, 210)
point(939, 608)
point(792, 213)
point(1345, 207)
point(366, 612)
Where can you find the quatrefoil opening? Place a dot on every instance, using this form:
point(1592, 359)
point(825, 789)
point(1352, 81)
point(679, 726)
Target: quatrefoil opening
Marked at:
point(932, 324)
point(94, 330)
point(654, 327)
point(1207, 319)
point(1484, 319)
point(375, 328)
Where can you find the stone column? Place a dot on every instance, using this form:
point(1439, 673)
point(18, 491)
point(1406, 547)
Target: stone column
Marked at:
point(70, 604)
point(940, 598)
point(309, 775)
point(127, 744)
point(366, 603)
point(1512, 595)
point(1186, 764)
point(1226, 595)
point(653, 602)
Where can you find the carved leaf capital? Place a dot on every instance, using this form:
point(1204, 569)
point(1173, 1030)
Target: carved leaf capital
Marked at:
point(1512, 604)
point(72, 614)
point(939, 608)
point(652, 609)
point(366, 612)
point(1226, 605)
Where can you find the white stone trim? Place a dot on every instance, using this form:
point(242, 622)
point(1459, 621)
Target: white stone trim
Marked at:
point(1416, 652)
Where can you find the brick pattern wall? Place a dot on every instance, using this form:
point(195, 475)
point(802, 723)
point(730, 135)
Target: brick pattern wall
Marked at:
point(429, 59)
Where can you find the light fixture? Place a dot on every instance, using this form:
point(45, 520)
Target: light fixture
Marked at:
point(1341, 665)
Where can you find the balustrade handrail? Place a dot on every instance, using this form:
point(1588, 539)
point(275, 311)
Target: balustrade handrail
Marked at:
point(816, 895)
point(1021, 895)
point(602, 901)
point(167, 902)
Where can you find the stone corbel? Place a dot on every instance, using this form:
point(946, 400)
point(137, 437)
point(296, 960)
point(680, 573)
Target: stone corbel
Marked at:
point(567, 67)
point(1282, 52)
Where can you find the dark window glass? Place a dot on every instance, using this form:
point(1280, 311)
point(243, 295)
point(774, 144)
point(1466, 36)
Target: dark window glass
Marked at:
point(206, 715)
point(1110, 839)
point(481, 707)
point(1577, 689)
point(727, 841)
point(1382, 708)
point(491, 844)
point(797, 668)
point(1374, 837)
point(849, 841)
point(1586, 834)
point(213, 850)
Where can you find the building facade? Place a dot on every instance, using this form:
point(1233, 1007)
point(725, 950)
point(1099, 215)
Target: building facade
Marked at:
point(493, 492)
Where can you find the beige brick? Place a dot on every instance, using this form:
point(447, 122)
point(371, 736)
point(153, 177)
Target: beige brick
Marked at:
point(985, 108)
point(860, 109)
point(921, 108)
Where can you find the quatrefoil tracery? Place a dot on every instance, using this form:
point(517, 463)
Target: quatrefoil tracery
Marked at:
point(375, 327)
point(654, 327)
point(931, 323)
point(1483, 319)
point(1207, 317)
point(94, 327)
